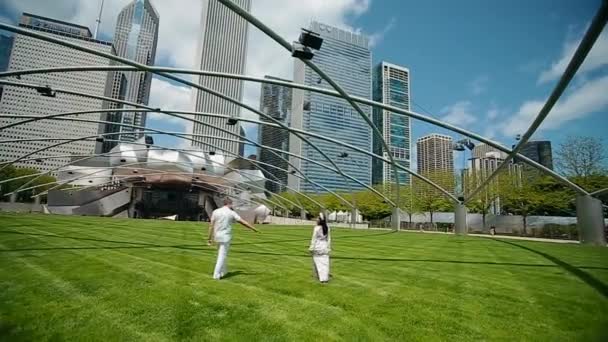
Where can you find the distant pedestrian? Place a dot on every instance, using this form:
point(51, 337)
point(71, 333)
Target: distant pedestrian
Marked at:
point(220, 232)
point(320, 247)
point(492, 230)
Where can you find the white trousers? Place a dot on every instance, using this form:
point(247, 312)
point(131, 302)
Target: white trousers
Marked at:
point(222, 256)
point(320, 267)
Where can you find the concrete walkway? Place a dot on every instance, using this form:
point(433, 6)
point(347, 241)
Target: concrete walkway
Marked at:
point(498, 236)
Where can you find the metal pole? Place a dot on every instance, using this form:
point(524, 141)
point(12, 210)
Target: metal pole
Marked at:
point(181, 134)
point(394, 110)
point(276, 37)
point(460, 219)
point(590, 220)
point(593, 32)
point(147, 68)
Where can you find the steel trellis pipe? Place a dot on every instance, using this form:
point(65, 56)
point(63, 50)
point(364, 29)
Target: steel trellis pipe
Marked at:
point(165, 173)
point(181, 135)
point(276, 37)
point(187, 152)
point(133, 143)
point(339, 171)
point(144, 67)
point(140, 168)
point(173, 114)
point(159, 132)
point(394, 110)
point(57, 117)
point(583, 49)
point(147, 149)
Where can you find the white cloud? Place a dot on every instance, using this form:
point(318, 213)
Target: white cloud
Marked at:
point(179, 32)
point(493, 113)
point(165, 95)
point(458, 114)
point(598, 57)
point(479, 85)
point(377, 37)
point(582, 101)
point(178, 18)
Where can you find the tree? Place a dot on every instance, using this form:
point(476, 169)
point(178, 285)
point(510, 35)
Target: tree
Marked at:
point(533, 196)
point(372, 206)
point(431, 200)
point(581, 157)
point(11, 172)
point(409, 202)
point(483, 201)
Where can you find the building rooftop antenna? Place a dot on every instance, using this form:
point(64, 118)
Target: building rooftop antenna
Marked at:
point(98, 20)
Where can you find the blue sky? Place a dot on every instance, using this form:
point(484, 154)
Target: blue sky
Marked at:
point(482, 60)
point(486, 66)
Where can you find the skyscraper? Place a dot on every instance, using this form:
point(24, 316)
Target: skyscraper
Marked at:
point(482, 149)
point(436, 159)
point(135, 38)
point(391, 86)
point(275, 100)
point(346, 58)
point(223, 48)
point(539, 151)
point(480, 167)
point(31, 53)
point(6, 44)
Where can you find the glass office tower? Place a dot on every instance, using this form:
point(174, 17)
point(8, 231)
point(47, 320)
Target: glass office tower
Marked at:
point(392, 87)
point(346, 57)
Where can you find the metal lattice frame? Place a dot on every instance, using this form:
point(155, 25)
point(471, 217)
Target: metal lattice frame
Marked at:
point(173, 114)
point(144, 67)
point(583, 49)
point(182, 136)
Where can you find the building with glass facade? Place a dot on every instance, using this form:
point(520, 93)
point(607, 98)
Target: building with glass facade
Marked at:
point(32, 53)
point(391, 86)
point(275, 100)
point(539, 151)
point(135, 38)
point(345, 57)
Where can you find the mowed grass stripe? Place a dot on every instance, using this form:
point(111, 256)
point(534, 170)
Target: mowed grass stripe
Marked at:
point(387, 286)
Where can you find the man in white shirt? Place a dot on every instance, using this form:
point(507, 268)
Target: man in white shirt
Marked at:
point(220, 231)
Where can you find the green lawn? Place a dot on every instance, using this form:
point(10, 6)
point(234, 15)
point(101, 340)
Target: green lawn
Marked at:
point(77, 278)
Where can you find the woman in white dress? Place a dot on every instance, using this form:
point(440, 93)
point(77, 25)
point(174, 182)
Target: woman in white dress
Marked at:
point(320, 247)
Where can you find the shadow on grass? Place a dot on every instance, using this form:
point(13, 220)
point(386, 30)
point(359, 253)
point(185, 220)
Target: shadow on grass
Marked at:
point(576, 271)
point(237, 273)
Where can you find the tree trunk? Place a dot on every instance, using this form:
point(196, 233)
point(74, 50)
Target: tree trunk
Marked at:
point(483, 221)
point(525, 224)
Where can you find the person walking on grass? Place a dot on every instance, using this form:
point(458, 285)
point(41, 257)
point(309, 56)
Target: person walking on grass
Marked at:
point(220, 232)
point(320, 247)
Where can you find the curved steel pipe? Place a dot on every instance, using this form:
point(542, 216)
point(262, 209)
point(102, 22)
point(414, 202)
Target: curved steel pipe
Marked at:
point(140, 168)
point(392, 109)
point(339, 171)
point(159, 132)
point(171, 113)
point(583, 49)
point(144, 67)
point(180, 135)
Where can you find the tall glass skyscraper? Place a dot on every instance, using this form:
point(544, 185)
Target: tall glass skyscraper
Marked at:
point(275, 100)
point(392, 87)
point(135, 38)
point(223, 48)
point(346, 57)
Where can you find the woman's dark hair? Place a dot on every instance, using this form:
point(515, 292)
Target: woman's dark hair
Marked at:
point(323, 225)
